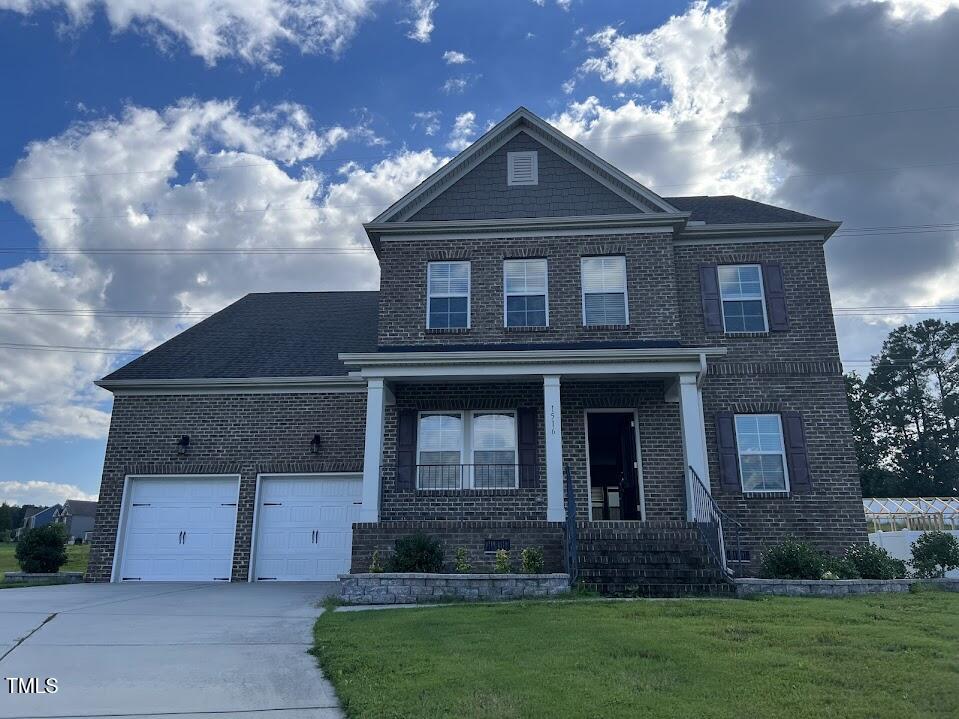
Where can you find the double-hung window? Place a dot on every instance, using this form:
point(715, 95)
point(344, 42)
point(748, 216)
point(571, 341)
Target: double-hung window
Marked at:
point(604, 291)
point(448, 287)
point(463, 450)
point(741, 292)
point(525, 300)
point(762, 454)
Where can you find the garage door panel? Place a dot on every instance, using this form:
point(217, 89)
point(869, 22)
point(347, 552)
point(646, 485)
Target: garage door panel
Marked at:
point(304, 526)
point(181, 529)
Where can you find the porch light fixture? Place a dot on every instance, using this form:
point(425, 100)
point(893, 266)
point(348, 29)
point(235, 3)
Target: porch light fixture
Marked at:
point(315, 444)
point(183, 444)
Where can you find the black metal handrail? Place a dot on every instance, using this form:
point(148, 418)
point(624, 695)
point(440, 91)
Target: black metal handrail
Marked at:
point(572, 552)
point(705, 511)
point(475, 476)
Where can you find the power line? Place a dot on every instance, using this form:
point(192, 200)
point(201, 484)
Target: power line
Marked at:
point(661, 133)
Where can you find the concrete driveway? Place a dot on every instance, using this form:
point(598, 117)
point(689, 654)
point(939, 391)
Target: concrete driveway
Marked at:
point(151, 650)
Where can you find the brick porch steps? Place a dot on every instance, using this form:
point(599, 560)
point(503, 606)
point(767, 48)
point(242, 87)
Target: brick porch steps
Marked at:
point(653, 559)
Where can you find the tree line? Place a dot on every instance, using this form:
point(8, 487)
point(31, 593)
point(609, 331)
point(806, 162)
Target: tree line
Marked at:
point(905, 413)
point(11, 516)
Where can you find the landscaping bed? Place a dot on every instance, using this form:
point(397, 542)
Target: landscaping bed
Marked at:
point(889, 655)
point(77, 558)
point(416, 588)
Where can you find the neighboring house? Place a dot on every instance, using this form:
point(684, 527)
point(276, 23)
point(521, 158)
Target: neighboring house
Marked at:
point(40, 518)
point(77, 516)
point(540, 315)
point(894, 523)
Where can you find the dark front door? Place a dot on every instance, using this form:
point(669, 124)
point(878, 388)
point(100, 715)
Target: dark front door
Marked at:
point(613, 465)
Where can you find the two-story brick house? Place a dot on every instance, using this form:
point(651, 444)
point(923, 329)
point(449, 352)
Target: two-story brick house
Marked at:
point(542, 318)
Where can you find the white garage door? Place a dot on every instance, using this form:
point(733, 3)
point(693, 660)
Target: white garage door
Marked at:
point(179, 529)
point(305, 526)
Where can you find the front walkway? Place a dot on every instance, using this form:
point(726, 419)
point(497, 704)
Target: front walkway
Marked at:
point(182, 650)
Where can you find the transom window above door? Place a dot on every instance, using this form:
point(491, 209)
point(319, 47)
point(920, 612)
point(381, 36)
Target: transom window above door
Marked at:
point(741, 292)
point(525, 293)
point(467, 450)
point(448, 295)
point(604, 291)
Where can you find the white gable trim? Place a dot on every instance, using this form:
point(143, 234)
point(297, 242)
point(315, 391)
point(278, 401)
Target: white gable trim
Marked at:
point(522, 120)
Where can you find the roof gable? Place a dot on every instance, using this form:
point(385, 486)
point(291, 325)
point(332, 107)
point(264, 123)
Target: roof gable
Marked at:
point(562, 190)
point(637, 198)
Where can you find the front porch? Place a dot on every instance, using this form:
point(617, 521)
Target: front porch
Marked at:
point(487, 453)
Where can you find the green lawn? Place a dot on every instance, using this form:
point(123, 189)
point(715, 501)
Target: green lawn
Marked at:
point(879, 656)
point(77, 556)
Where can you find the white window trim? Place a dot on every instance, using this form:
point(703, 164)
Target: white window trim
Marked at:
point(762, 299)
point(781, 453)
point(469, 291)
point(582, 288)
point(507, 294)
point(511, 158)
point(466, 445)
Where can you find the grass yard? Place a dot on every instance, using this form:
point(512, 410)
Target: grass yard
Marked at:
point(877, 656)
point(77, 557)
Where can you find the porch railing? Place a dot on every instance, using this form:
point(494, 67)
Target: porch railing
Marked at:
point(572, 551)
point(715, 526)
point(475, 476)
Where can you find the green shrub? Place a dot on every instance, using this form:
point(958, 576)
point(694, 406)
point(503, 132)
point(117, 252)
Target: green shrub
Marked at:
point(872, 562)
point(376, 565)
point(42, 549)
point(792, 560)
point(462, 561)
point(504, 564)
point(840, 568)
point(417, 553)
point(533, 561)
point(934, 554)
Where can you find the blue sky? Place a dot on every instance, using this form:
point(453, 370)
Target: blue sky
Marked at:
point(114, 119)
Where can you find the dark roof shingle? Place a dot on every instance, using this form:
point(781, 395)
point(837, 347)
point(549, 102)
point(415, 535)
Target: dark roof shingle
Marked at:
point(277, 334)
point(729, 210)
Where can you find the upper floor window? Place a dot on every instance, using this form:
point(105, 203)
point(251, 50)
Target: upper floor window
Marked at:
point(604, 291)
point(448, 295)
point(525, 294)
point(741, 292)
point(522, 168)
point(762, 453)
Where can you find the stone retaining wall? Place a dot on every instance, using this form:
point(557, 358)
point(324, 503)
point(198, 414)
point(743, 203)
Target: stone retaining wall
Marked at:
point(412, 588)
point(25, 578)
point(834, 587)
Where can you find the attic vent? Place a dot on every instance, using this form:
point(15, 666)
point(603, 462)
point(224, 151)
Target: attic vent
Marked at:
point(522, 168)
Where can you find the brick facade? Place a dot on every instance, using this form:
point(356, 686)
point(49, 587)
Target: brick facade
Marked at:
point(239, 434)
point(651, 289)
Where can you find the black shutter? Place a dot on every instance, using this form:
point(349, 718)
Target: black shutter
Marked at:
point(775, 297)
point(526, 424)
point(712, 305)
point(406, 450)
point(797, 457)
point(728, 452)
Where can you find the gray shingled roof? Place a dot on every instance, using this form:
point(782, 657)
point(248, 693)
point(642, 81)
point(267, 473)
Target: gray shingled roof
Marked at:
point(729, 210)
point(81, 507)
point(277, 334)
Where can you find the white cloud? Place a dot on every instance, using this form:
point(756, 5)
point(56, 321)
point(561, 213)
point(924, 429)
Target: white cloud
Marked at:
point(215, 29)
point(463, 132)
point(41, 493)
point(422, 19)
point(564, 4)
point(139, 177)
point(454, 57)
point(678, 146)
point(569, 86)
point(458, 85)
point(428, 121)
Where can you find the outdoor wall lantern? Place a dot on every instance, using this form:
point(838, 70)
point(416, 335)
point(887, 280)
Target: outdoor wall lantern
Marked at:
point(183, 444)
point(315, 444)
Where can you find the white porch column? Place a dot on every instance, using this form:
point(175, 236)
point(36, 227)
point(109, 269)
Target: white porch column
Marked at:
point(694, 432)
point(373, 449)
point(552, 414)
